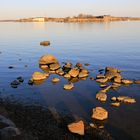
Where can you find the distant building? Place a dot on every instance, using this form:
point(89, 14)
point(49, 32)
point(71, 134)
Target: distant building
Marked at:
point(38, 19)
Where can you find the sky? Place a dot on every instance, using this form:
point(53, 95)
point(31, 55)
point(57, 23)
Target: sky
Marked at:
point(15, 9)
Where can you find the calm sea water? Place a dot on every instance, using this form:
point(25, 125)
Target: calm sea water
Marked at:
point(114, 44)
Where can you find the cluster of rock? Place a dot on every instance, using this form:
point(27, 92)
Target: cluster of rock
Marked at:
point(99, 114)
point(18, 81)
point(50, 65)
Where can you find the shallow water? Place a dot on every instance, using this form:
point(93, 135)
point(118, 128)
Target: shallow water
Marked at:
point(114, 44)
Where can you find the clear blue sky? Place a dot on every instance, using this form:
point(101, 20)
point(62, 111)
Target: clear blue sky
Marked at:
point(61, 8)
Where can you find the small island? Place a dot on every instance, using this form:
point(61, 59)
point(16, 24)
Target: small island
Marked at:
point(79, 18)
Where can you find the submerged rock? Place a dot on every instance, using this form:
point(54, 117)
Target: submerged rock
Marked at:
point(55, 80)
point(99, 113)
point(45, 43)
point(68, 86)
point(77, 127)
point(15, 82)
point(47, 59)
point(39, 76)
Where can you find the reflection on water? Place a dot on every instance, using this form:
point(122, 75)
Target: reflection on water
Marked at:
point(100, 44)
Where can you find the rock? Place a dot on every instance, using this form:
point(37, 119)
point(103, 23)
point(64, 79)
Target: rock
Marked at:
point(105, 89)
point(54, 66)
point(103, 80)
point(110, 75)
point(47, 59)
point(74, 72)
point(99, 113)
point(83, 74)
point(114, 98)
point(52, 72)
point(137, 81)
point(100, 76)
point(111, 69)
point(117, 79)
point(10, 67)
point(68, 86)
point(92, 78)
point(55, 80)
point(93, 125)
point(20, 79)
point(67, 66)
point(45, 43)
point(116, 104)
point(30, 82)
point(79, 65)
point(44, 67)
point(67, 76)
point(87, 64)
point(74, 80)
point(15, 82)
point(124, 81)
point(116, 85)
point(39, 76)
point(121, 98)
point(101, 96)
point(103, 85)
point(129, 100)
point(77, 127)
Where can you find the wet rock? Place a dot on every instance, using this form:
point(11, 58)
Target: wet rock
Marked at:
point(92, 78)
point(47, 59)
point(68, 86)
point(121, 98)
point(55, 80)
point(106, 89)
point(101, 96)
point(67, 67)
point(83, 74)
point(103, 80)
point(44, 67)
point(114, 98)
point(79, 65)
point(77, 127)
point(45, 43)
point(129, 100)
point(111, 75)
point(100, 76)
point(67, 76)
point(60, 72)
point(15, 82)
point(39, 76)
point(20, 79)
point(74, 72)
point(87, 64)
point(115, 85)
point(127, 82)
point(10, 67)
point(111, 69)
point(103, 85)
point(99, 113)
point(14, 86)
point(54, 66)
point(52, 72)
point(30, 82)
point(137, 81)
point(117, 79)
point(93, 125)
point(116, 104)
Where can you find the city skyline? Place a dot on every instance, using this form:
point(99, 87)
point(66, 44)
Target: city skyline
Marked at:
point(21, 9)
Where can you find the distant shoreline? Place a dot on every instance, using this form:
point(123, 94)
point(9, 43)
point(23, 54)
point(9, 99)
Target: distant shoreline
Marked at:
point(76, 19)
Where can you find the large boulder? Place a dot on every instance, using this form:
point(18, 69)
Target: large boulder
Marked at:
point(77, 127)
point(47, 59)
point(99, 113)
point(39, 76)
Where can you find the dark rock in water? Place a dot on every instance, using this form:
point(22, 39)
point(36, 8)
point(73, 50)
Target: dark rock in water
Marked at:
point(14, 86)
point(0, 52)
point(87, 64)
point(20, 79)
point(15, 82)
point(101, 70)
point(25, 66)
point(10, 67)
point(30, 82)
point(20, 59)
point(45, 43)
